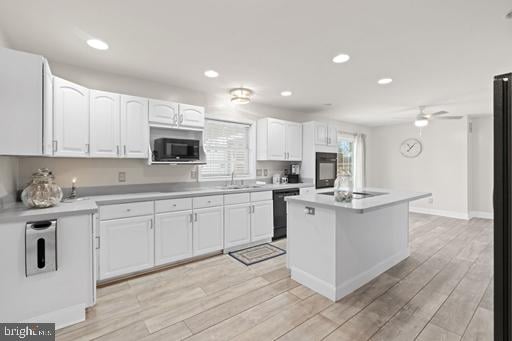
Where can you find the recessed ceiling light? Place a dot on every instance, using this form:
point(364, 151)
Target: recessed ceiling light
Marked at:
point(97, 44)
point(384, 81)
point(211, 74)
point(341, 58)
point(286, 93)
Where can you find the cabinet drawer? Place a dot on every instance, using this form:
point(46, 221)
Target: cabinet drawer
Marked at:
point(172, 205)
point(209, 201)
point(261, 196)
point(132, 209)
point(239, 198)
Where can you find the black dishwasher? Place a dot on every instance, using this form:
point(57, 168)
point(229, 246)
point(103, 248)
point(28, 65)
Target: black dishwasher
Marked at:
point(280, 210)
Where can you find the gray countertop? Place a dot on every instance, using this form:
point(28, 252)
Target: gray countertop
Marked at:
point(89, 204)
point(389, 198)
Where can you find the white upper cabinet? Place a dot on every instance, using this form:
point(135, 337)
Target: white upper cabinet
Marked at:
point(279, 140)
point(47, 111)
point(105, 124)
point(191, 116)
point(134, 127)
point(161, 112)
point(293, 135)
point(71, 119)
point(325, 135)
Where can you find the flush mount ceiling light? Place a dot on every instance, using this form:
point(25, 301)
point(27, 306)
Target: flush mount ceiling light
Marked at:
point(97, 44)
point(211, 74)
point(421, 122)
point(240, 95)
point(286, 93)
point(384, 81)
point(341, 58)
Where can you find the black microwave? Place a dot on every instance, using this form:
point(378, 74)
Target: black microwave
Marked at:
point(167, 149)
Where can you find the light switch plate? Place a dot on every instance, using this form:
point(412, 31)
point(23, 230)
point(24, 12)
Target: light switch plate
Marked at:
point(121, 177)
point(259, 172)
point(265, 172)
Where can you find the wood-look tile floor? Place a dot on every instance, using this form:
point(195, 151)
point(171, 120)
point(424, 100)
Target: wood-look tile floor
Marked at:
point(443, 291)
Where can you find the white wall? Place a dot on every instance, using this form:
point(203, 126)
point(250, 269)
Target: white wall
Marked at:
point(442, 167)
point(481, 167)
point(8, 165)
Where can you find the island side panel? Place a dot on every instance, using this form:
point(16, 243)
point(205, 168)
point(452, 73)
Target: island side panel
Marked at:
point(367, 244)
point(311, 247)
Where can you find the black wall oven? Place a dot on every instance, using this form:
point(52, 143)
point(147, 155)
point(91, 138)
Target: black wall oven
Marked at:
point(167, 149)
point(326, 169)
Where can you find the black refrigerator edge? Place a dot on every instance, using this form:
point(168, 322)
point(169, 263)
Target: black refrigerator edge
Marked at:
point(502, 206)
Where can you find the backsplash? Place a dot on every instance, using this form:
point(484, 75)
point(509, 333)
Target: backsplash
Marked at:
point(105, 172)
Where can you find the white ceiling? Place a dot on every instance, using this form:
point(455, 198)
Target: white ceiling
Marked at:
point(440, 53)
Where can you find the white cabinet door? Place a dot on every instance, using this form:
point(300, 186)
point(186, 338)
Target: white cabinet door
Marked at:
point(262, 220)
point(332, 136)
point(126, 245)
point(237, 225)
point(173, 236)
point(321, 134)
point(162, 112)
point(71, 119)
point(105, 124)
point(47, 110)
point(191, 116)
point(293, 141)
point(276, 140)
point(208, 230)
point(134, 127)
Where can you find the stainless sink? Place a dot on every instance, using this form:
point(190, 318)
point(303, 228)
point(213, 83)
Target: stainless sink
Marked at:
point(239, 186)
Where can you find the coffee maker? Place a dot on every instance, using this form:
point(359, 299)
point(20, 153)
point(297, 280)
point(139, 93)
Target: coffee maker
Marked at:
point(293, 177)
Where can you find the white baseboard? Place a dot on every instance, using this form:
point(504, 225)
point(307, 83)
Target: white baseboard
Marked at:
point(481, 214)
point(443, 213)
point(336, 293)
point(313, 283)
point(63, 317)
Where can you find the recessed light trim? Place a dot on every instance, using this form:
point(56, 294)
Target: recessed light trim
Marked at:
point(97, 44)
point(384, 81)
point(341, 58)
point(211, 74)
point(286, 93)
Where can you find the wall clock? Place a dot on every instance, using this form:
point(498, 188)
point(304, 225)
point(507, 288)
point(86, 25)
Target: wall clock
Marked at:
point(411, 148)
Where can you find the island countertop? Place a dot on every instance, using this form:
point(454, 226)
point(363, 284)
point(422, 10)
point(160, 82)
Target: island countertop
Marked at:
point(388, 198)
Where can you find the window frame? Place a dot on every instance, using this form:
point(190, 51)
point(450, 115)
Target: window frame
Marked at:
point(252, 149)
point(351, 139)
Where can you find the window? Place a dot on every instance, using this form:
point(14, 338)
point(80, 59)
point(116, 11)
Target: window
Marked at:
point(345, 155)
point(227, 147)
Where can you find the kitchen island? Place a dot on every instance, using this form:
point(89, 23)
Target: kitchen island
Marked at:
point(336, 247)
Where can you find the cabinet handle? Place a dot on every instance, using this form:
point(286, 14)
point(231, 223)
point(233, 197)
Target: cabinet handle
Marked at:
point(117, 149)
point(195, 216)
point(309, 210)
point(253, 208)
point(151, 224)
point(54, 145)
point(124, 147)
point(88, 148)
point(97, 242)
point(175, 118)
point(181, 119)
point(191, 217)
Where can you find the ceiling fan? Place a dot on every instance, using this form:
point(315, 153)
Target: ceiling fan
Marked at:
point(422, 119)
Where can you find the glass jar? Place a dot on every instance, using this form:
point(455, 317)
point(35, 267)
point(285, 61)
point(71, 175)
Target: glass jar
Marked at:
point(343, 187)
point(42, 191)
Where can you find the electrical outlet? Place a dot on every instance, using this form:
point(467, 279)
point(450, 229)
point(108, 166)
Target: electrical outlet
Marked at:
point(259, 172)
point(121, 177)
point(265, 172)
point(193, 173)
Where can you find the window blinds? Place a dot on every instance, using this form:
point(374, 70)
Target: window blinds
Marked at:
point(227, 149)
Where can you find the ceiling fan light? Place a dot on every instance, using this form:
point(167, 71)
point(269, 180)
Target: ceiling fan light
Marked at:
point(422, 122)
point(240, 95)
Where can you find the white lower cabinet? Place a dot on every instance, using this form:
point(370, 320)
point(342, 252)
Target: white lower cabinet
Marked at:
point(208, 230)
point(173, 236)
point(126, 245)
point(237, 225)
point(262, 220)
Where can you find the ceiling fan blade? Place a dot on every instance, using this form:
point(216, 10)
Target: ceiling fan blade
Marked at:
point(442, 112)
point(449, 118)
